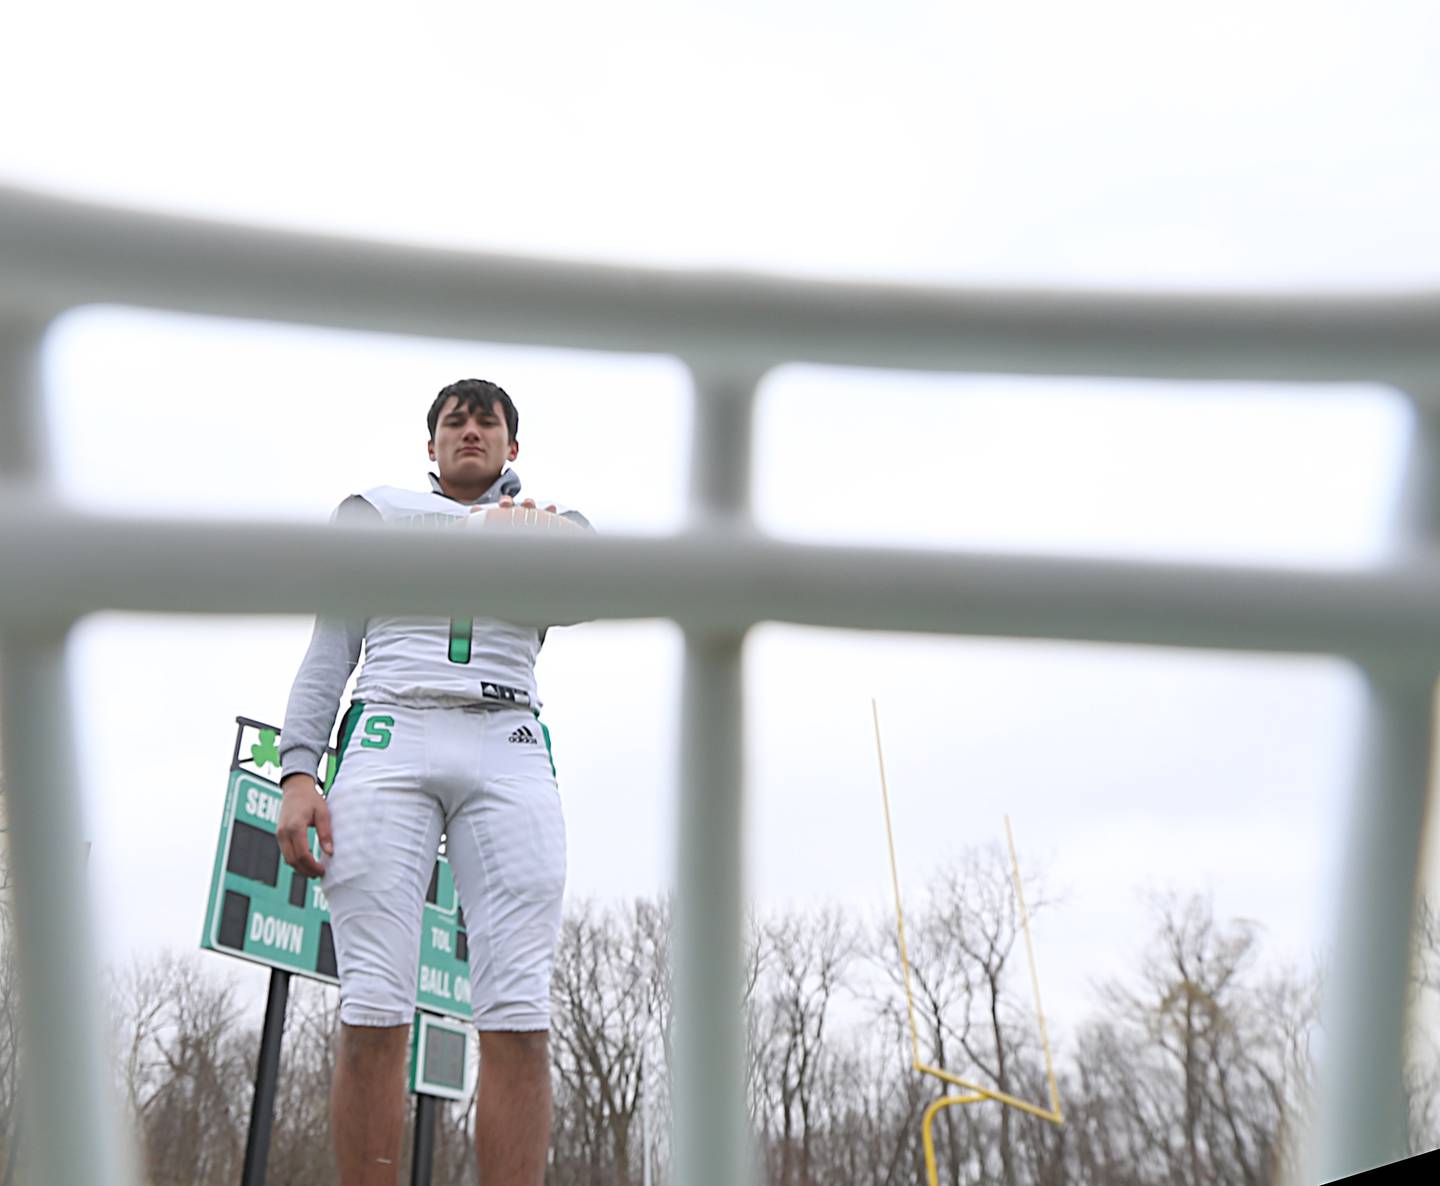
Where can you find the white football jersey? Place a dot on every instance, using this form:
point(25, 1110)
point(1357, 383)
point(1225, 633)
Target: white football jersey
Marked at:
point(414, 660)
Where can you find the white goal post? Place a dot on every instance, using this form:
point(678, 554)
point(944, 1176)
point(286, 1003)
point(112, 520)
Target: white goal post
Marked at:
point(716, 579)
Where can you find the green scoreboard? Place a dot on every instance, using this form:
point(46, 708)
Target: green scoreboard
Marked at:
point(262, 910)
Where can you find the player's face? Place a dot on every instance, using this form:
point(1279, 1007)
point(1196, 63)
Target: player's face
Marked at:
point(471, 445)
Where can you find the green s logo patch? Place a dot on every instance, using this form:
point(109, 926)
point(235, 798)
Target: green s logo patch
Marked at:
point(377, 732)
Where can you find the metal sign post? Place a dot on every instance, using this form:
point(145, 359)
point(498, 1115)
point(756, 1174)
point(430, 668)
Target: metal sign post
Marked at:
point(440, 1068)
point(267, 1073)
point(422, 1155)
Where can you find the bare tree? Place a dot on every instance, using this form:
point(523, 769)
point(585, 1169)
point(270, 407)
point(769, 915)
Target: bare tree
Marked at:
point(1423, 1061)
point(300, 1149)
point(1190, 1075)
point(808, 958)
point(9, 1014)
point(186, 1069)
point(610, 1003)
point(970, 1017)
point(1204, 1066)
point(1427, 945)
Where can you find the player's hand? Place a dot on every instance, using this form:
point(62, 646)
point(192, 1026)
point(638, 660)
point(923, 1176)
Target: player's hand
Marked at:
point(507, 501)
point(302, 808)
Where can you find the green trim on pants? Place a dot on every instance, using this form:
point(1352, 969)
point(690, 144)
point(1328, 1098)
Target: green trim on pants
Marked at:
point(549, 751)
point(347, 731)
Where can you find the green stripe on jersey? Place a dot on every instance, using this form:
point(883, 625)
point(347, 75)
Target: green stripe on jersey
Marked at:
point(461, 630)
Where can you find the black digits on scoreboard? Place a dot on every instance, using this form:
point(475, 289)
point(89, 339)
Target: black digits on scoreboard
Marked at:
point(254, 853)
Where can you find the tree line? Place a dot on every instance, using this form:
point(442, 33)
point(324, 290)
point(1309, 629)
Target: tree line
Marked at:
point(1193, 1070)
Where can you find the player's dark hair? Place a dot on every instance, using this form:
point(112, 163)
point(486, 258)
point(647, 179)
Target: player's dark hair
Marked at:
point(473, 394)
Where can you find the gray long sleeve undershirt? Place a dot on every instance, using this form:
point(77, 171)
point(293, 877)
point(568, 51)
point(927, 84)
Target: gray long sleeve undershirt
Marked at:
point(315, 695)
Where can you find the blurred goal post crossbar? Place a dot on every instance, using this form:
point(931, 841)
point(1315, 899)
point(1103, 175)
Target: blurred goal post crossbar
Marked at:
point(715, 579)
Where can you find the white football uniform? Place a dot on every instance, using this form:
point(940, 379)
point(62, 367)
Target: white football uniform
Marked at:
point(463, 753)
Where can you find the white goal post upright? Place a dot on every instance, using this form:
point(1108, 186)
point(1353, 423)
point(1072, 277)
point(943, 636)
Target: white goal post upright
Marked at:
point(716, 579)
point(70, 1111)
point(712, 1138)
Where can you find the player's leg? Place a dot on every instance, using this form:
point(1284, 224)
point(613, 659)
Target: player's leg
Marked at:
point(386, 830)
point(512, 1108)
point(368, 1103)
point(507, 849)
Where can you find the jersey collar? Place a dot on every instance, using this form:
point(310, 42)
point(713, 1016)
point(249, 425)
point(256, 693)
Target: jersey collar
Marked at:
point(507, 485)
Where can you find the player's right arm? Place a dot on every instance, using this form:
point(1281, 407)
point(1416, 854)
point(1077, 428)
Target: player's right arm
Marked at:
point(301, 808)
point(309, 716)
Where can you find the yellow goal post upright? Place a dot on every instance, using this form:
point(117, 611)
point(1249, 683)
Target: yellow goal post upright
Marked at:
point(974, 1092)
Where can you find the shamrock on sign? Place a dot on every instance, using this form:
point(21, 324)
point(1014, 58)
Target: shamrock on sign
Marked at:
point(266, 752)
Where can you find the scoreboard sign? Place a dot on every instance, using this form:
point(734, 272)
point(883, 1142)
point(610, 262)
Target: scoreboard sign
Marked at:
point(440, 1058)
point(262, 910)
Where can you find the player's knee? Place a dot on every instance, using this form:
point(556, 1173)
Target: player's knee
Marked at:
point(510, 1014)
point(375, 1000)
point(368, 1047)
point(515, 1048)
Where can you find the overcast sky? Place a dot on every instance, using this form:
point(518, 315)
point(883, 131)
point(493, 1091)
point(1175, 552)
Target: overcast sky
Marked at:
point(1232, 145)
